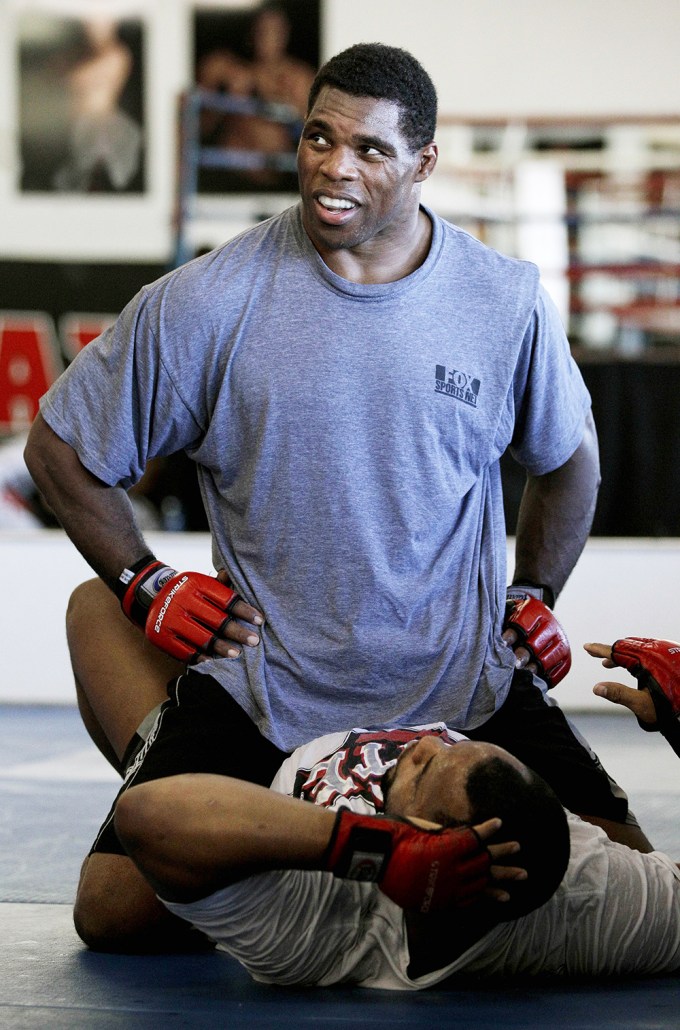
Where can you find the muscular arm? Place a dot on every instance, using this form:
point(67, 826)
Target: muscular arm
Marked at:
point(100, 521)
point(555, 516)
point(193, 834)
point(98, 518)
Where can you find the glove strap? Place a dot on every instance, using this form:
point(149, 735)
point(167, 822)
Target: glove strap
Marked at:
point(541, 591)
point(359, 852)
point(138, 585)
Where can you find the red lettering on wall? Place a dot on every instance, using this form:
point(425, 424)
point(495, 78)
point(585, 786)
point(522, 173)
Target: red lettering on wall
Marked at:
point(29, 363)
point(76, 330)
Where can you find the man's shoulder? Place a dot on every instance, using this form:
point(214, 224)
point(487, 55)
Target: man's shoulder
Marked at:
point(460, 246)
point(274, 230)
point(245, 254)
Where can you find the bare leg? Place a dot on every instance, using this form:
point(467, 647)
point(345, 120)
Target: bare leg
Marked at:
point(120, 678)
point(117, 911)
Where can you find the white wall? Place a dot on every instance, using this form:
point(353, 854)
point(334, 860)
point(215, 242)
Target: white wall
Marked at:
point(489, 58)
point(524, 58)
point(619, 588)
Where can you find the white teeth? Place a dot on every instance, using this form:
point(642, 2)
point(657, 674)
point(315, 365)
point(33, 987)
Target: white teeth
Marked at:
point(335, 205)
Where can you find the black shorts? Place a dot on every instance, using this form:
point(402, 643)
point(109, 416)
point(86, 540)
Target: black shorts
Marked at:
point(539, 734)
point(200, 728)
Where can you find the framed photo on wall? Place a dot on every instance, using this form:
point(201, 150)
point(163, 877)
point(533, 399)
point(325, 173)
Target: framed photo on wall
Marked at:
point(81, 91)
point(259, 60)
point(88, 99)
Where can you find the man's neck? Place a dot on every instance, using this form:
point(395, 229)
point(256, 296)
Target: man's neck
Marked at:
point(375, 263)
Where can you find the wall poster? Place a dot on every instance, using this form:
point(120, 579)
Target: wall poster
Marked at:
point(261, 60)
point(88, 103)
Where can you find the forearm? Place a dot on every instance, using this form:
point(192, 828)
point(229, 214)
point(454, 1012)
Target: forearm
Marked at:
point(194, 834)
point(556, 515)
point(98, 518)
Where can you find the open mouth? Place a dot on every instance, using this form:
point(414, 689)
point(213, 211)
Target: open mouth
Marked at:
point(334, 210)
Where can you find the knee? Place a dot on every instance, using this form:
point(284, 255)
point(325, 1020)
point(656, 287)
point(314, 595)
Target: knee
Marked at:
point(115, 909)
point(99, 926)
point(83, 600)
point(102, 918)
point(154, 824)
point(134, 819)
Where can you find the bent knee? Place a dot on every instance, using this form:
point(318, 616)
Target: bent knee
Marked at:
point(86, 596)
point(117, 911)
point(115, 908)
point(134, 817)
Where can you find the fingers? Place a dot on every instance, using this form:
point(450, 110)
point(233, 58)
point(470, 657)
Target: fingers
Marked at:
point(507, 872)
point(500, 873)
point(247, 613)
point(639, 702)
point(234, 635)
point(603, 651)
point(487, 829)
point(523, 657)
point(510, 637)
point(500, 851)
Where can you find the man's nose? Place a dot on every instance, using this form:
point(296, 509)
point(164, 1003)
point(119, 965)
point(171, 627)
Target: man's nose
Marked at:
point(339, 163)
point(424, 749)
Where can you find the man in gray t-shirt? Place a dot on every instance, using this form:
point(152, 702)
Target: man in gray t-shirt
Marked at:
point(346, 377)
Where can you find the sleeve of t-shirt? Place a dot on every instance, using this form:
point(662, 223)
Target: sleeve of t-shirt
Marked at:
point(116, 404)
point(549, 396)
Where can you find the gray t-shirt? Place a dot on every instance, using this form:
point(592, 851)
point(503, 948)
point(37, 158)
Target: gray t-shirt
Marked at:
point(347, 439)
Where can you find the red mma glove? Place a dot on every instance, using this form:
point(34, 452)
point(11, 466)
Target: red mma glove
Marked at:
point(656, 666)
point(181, 613)
point(420, 870)
point(541, 634)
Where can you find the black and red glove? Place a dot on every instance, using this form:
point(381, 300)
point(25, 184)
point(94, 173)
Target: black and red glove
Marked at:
point(420, 870)
point(656, 667)
point(182, 613)
point(540, 633)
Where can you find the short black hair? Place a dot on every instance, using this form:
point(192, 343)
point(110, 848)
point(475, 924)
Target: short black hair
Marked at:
point(533, 815)
point(385, 73)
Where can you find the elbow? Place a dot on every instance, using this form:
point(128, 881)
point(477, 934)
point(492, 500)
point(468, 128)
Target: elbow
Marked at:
point(31, 451)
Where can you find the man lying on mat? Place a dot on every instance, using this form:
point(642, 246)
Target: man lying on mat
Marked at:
point(350, 887)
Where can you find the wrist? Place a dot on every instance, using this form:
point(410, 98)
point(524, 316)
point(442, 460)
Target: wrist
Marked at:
point(359, 847)
point(138, 585)
point(541, 591)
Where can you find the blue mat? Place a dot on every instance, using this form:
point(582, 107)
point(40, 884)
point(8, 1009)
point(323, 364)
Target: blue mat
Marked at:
point(47, 979)
point(54, 791)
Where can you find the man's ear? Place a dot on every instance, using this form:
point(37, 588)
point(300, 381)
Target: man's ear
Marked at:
point(428, 160)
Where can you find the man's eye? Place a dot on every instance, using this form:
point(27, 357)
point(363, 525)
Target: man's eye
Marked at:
point(316, 137)
point(371, 151)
